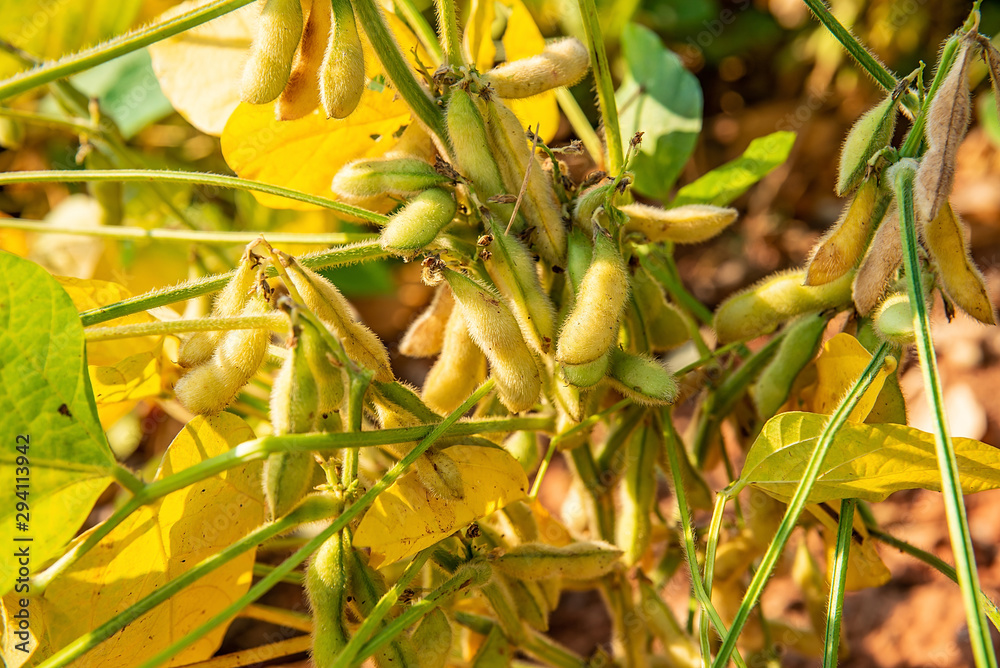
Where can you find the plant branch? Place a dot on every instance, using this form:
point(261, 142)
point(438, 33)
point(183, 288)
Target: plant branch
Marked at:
point(373, 22)
point(196, 178)
point(605, 87)
point(335, 257)
point(797, 502)
point(902, 175)
point(838, 585)
point(349, 514)
point(274, 321)
point(116, 47)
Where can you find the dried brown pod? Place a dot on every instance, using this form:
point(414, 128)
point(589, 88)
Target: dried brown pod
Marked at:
point(301, 94)
point(883, 258)
point(992, 55)
point(426, 335)
point(947, 119)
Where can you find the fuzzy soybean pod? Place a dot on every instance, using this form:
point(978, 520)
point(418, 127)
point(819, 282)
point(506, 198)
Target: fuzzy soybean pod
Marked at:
point(586, 560)
point(425, 336)
point(510, 147)
point(666, 327)
point(562, 62)
point(894, 319)
point(279, 29)
point(459, 370)
point(944, 237)
point(871, 133)
point(468, 138)
point(327, 586)
point(416, 224)
point(795, 351)
point(496, 332)
point(199, 347)
point(591, 328)
point(342, 74)
point(433, 637)
point(210, 387)
point(759, 309)
point(287, 476)
point(641, 378)
point(688, 224)
point(842, 248)
point(301, 94)
point(495, 652)
point(324, 299)
point(947, 119)
point(329, 380)
point(885, 254)
point(367, 586)
point(397, 177)
point(637, 494)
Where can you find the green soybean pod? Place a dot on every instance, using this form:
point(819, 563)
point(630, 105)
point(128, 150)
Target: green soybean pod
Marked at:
point(638, 494)
point(414, 226)
point(327, 586)
point(272, 52)
point(433, 637)
point(795, 351)
point(398, 177)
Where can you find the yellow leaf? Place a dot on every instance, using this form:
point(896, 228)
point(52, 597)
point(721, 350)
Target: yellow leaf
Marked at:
point(838, 366)
point(119, 387)
point(199, 70)
point(71, 254)
point(866, 461)
point(864, 567)
point(153, 546)
point(478, 38)
point(406, 518)
point(306, 153)
point(523, 39)
point(89, 294)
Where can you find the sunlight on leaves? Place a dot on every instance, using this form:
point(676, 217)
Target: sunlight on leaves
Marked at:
point(45, 397)
point(157, 544)
point(725, 183)
point(841, 361)
point(406, 518)
point(205, 95)
point(305, 154)
point(867, 462)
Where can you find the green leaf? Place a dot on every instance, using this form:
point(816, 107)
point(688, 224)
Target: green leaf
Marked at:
point(866, 461)
point(724, 184)
point(45, 395)
point(127, 90)
point(663, 100)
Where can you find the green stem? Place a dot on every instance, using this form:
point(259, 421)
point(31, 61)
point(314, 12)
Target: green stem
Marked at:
point(937, 564)
point(449, 588)
point(261, 448)
point(274, 321)
point(605, 87)
point(73, 125)
point(583, 425)
point(902, 175)
point(335, 257)
point(835, 609)
point(536, 644)
point(342, 521)
point(353, 654)
point(421, 28)
point(116, 47)
point(447, 16)
point(187, 236)
point(851, 44)
point(126, 479)
point(74, 650)
point(196, 178)
point(669, 280)
point(580, 124)
point(914, 139)
point(371, 19)
point(797, 503)
point(672, 443)
point(261, 570)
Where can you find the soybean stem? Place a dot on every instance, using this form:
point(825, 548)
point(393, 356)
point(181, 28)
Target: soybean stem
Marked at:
point(605, 86)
